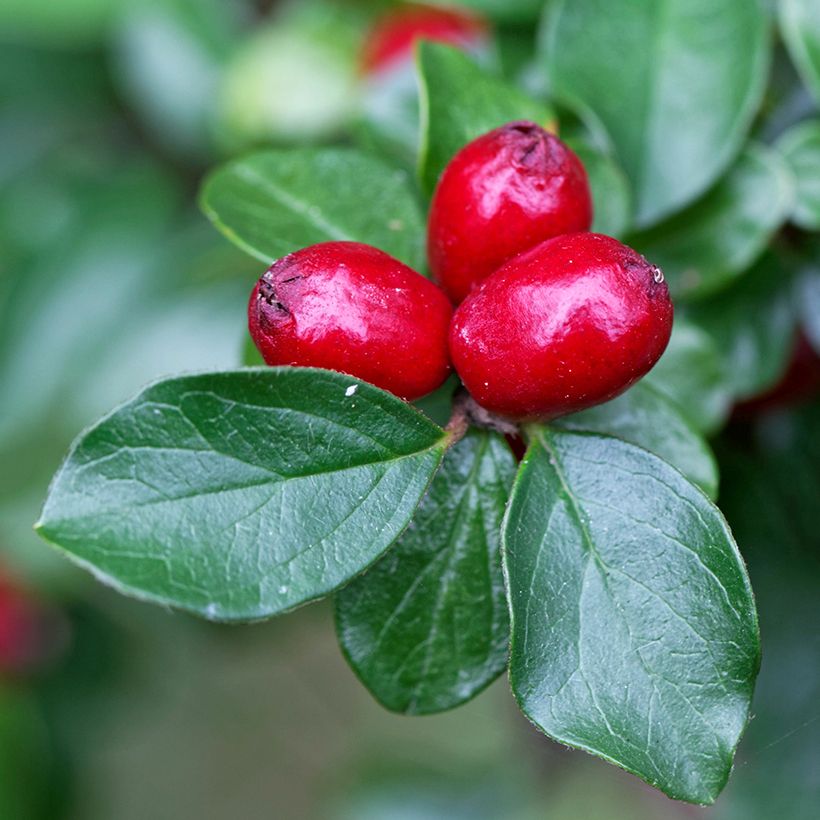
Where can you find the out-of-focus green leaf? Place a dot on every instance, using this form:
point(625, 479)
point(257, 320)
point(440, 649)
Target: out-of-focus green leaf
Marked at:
point(67, 23)
point(754, 324)
point(633, 629)
point(800, 147)
point(64, 309)
point(25, 758)
point(800, 26)
point(770, 499)
point(168, 58)
point(294, 80)
point(251, 357)
point(675, 84)
point(611, 196)
point(787, 100)
point(809, 300)
point(240, 495)
point(646, 417)
point(504, 11)
point(426, 628)
point(692, 373)
point(276, 202)
point(706, 247)
point(459, 102)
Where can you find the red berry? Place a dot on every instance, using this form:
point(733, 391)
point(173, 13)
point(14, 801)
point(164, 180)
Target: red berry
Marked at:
point(27, 629)
point(501, 195)
point(391, 40)
point(350, 307)
point(569, 324)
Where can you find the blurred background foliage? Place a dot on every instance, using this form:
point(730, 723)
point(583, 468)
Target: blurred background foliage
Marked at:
point(110, 277)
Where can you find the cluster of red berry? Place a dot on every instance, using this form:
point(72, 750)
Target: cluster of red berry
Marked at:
point(550, 319)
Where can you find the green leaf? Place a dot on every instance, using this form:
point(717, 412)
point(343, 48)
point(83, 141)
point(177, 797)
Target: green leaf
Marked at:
point(426, 628)
point(610, 189)
point(275, 202)
point(714, 241)
point(754, 325)
point(646, 417)
point(800, 147)
point(292, 80)
point(240, 495)
point(438, 405)
point(676, 85)
point(459, 102)
point(800, 26)
point(692, 373)
point(633, 629)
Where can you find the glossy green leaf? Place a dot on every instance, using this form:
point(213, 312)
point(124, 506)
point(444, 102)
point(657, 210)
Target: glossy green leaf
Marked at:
point(633, 629)
point(753, 324)
point(675, 83)
point(275, 202)
point(459, 102)
point(426, 628)
point(240, 495)
point(800, 26)
point(646, 417)
point(611, 196)
point(800, 147)
point(714, 241)
point(692, 373)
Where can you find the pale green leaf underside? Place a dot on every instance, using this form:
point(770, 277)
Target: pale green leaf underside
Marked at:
point(239, 495)
point(634, 633)
point(275, 202)
point(426, 628)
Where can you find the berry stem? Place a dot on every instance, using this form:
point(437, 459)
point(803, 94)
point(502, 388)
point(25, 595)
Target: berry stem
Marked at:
point(467, 412)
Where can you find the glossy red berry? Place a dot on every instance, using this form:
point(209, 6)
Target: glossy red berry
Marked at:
point(350, 307)
point(392, 38)
point(501, 195)
point(571, 323)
